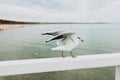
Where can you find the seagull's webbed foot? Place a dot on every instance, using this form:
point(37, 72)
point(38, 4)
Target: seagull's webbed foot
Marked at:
point(72, 55)
point(63, 56)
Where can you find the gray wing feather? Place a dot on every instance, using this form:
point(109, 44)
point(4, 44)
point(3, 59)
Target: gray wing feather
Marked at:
point(52, 33)
point(62, 36)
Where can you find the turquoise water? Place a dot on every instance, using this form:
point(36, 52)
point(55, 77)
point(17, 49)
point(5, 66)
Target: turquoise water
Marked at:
point(24, 43)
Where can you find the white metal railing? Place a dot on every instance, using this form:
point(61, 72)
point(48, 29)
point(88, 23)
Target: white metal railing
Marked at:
point(59, 64)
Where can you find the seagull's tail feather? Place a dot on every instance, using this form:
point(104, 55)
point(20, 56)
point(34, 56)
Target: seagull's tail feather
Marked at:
point(61, 48)
point(58, 48)
point(54, 49)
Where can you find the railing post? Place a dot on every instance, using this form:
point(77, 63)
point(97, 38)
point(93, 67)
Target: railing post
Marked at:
point(117, 72)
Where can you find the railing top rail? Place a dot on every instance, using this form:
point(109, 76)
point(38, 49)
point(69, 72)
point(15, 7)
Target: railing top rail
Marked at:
point(58, 64)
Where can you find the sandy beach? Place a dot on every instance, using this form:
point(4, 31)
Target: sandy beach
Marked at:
point(11, 26)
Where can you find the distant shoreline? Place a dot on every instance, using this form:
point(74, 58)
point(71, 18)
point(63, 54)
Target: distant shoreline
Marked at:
point(2, 21)
point(11, 26)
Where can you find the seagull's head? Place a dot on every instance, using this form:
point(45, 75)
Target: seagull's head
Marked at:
point(80, 39)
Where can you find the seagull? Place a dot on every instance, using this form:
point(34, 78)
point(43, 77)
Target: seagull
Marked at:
point(66, 40)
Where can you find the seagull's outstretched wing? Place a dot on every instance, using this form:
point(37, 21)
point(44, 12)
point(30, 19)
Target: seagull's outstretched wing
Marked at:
point(62, 36)
point(53, 33)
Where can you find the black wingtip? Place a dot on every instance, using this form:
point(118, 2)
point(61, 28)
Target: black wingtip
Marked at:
point(46, 41)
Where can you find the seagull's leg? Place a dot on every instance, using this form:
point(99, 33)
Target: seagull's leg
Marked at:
point(72, 54)
point(63, 54)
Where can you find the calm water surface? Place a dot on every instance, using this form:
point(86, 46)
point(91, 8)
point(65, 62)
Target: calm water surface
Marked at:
point(24, 43)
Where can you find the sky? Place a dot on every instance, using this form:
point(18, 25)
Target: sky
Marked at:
point(61, 10)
